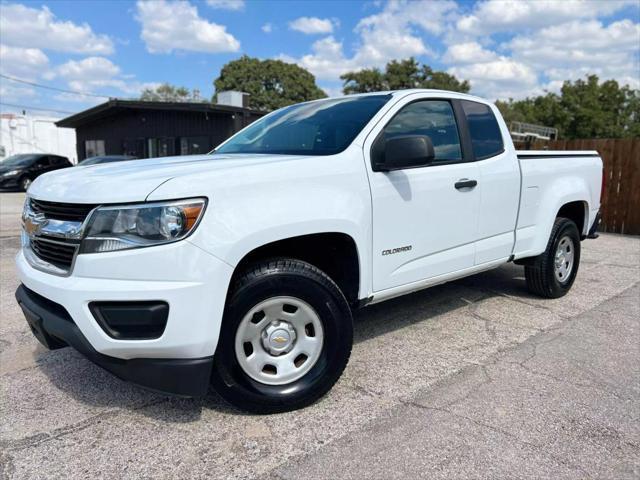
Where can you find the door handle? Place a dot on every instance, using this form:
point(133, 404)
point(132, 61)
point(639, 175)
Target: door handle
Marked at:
point(465, 183)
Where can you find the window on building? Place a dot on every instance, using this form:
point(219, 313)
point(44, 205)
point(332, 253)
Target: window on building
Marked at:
point(486, 138)
point(194, 145)
point(161, 147)
point(93, 148)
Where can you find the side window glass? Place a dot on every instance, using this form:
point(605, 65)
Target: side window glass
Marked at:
point(433, 118)
point(43, 162)
point(486, 139)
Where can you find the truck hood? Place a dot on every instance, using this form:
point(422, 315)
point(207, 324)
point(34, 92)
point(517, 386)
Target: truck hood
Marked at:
point(134, 180)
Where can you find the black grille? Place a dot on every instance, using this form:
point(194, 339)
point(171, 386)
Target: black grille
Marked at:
point(54, 253)
point(75, 212)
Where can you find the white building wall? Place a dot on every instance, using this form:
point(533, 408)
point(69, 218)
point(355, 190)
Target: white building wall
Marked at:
point(35, 134)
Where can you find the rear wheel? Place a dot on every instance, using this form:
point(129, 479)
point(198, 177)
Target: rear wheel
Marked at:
point(553, 272)
point(286, 337)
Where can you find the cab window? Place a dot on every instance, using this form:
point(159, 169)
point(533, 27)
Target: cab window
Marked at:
point(486, 139)
point(433, 118)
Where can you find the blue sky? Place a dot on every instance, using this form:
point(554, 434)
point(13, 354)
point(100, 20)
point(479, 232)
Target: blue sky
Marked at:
point(116, 48)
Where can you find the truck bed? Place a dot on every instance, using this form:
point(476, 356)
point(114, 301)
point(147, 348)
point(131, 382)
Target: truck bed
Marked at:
point(550, 179)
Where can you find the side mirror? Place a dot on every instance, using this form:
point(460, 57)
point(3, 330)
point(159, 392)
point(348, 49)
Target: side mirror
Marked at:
point(409, 151)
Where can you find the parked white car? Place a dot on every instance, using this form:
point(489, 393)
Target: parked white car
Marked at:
point(241, 268)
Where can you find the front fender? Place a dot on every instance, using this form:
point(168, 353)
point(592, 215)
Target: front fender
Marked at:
point(267, 203)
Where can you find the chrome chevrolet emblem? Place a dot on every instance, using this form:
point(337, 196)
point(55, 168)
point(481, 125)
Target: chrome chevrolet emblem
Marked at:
point(33, 223)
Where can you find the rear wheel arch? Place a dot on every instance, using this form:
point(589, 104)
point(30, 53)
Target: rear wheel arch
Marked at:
point(577, 212)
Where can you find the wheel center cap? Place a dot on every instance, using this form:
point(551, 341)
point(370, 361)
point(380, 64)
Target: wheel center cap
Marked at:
point(278, 337)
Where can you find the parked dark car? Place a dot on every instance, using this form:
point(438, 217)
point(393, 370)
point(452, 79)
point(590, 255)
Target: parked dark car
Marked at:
point(18, 171)
point(105, 159)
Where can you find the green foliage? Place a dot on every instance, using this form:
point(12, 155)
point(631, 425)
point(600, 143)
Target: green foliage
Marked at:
point(169, 93)
point(583, 109)
point(399, 75)
point(271, 84)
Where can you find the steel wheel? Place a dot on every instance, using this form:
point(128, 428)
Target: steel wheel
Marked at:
point(279, 340)
point(563, 261)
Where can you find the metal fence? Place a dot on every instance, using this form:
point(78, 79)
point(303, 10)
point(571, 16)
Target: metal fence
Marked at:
point(621, 157)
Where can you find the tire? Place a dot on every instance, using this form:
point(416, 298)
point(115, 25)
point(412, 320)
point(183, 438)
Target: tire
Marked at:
point(273, 284)
point(544, 276)
point(25, 183)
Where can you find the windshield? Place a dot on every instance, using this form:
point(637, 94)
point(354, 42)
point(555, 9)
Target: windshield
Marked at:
point(21, 160)
point(325, 127)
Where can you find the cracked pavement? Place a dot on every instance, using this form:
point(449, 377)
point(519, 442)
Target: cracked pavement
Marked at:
point(472, 379)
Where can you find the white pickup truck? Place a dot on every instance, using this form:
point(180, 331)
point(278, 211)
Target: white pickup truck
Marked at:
point(241, 268)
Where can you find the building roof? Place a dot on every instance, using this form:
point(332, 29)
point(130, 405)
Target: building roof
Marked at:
point(115, 105)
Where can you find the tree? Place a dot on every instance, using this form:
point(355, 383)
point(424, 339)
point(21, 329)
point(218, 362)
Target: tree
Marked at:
point(399, 75)
point(169, 93)
point(366, 80)
point(271, 84)
point(442, 81)
point(583, 109)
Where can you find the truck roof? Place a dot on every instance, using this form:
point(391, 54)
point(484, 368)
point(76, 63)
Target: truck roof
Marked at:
point(409, 91)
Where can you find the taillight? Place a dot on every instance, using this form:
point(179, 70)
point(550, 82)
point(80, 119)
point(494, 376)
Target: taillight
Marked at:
point(603, 186)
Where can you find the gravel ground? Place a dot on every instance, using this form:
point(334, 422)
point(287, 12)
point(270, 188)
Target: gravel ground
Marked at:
point(473, 379)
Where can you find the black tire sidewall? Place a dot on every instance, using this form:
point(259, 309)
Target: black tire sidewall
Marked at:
point(566, 228)
point(240, 389)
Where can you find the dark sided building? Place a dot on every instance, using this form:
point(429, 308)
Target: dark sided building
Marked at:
point(155, 129)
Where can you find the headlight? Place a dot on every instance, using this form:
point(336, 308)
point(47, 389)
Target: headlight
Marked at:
point(11, 173)
point(142, 225)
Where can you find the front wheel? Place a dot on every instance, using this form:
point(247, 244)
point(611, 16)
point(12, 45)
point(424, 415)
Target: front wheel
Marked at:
point(553, 272)
point(286, 338)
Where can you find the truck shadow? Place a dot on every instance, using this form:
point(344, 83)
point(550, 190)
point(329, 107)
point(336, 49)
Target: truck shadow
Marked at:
point(85, 382)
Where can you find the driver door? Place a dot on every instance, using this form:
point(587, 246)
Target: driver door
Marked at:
point(424, 222)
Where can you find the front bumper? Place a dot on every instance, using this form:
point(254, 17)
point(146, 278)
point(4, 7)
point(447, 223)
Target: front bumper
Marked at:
point(192, 282)
point(54, 328)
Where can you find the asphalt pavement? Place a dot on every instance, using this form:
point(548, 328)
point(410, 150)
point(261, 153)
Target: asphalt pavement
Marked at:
point(472, 379)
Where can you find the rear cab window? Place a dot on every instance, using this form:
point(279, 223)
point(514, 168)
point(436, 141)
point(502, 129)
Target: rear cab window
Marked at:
point(486, 138)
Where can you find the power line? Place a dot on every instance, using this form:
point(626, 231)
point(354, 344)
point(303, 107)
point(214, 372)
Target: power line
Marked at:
point(33, 84)
point(35, 108)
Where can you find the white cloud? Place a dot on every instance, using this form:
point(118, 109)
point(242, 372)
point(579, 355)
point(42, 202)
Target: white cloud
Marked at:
point(574, 49)
point(22, 26)
point(95, 75)
point(176, 25)
point(468, 52)
point(267, 28)
point(501, 78)
point(312, 25)
point(24, 63)
point(390, 34)
point(327, 60)
point(226, 4)
point(492, 16)
point(15, 92)
point(491, 75)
